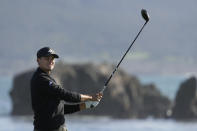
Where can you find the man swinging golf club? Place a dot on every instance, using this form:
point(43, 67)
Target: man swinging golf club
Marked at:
point(48, 97)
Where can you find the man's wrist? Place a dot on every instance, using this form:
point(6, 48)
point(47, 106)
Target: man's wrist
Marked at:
point(82, 106)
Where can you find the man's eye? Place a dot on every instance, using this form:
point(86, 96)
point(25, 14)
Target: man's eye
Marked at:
point(46, 59)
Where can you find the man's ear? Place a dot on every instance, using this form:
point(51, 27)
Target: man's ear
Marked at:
point(38, 60)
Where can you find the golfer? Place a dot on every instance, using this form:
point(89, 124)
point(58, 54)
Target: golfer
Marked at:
point(48, 98)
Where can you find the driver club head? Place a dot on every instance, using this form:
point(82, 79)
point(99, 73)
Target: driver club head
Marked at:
point(145, 15)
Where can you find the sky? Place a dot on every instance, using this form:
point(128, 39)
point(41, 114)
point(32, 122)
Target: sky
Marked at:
point(100, 31)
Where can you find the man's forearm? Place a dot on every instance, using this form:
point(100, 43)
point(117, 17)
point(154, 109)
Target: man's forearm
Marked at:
point(85, 97)
point(95, 97)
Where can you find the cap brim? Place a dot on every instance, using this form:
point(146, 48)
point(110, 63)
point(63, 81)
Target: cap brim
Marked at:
point(55, 55)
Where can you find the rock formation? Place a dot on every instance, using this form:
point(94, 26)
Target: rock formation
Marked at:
point(125, 96)
point(186, 101)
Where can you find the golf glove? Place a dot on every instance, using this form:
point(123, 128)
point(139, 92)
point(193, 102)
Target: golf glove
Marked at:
point(91, 104)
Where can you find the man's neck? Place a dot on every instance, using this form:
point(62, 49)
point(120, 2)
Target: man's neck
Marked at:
point(47, 71)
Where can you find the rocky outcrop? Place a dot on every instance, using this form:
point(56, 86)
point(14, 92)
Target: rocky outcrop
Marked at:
point(125, 96)
point(155, 104)
point(186, 101)
point(20, 94)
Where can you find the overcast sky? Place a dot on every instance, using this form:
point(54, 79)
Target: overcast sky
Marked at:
point(100, 30)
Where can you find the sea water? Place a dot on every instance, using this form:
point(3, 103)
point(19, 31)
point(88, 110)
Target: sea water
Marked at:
point(5, 101)
point(167, 84)
point(8, 123)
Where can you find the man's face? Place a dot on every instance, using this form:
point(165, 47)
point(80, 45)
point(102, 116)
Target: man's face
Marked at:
point(46, 63)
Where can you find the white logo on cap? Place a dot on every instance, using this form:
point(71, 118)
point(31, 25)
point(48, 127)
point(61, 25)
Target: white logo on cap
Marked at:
point(51, 51)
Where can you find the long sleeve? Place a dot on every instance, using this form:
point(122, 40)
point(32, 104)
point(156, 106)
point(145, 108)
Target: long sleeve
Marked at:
point(52, 89)
point(68, 109)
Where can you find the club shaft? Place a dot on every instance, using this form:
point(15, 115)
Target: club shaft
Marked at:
point(108, 80)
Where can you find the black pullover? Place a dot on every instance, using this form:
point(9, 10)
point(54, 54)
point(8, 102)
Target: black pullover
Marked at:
point(48, 101)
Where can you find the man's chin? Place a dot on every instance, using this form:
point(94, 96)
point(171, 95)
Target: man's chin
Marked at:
point(51, 68)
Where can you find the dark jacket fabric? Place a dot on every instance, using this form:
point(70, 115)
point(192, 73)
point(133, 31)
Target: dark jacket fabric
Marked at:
point(48, 101)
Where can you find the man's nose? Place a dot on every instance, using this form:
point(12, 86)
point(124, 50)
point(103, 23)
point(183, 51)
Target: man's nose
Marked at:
point(50, 61)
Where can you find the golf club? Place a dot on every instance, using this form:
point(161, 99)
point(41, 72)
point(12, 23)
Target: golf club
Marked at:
point(145, 16)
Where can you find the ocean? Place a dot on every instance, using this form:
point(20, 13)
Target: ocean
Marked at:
point(8, 123)
point(168, 85)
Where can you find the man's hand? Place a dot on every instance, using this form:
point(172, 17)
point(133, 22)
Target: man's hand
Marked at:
point(95, 97)
point(90, 101)
point(91, 104)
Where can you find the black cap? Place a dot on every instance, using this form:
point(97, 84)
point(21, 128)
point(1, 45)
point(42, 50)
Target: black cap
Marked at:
point(46, 51)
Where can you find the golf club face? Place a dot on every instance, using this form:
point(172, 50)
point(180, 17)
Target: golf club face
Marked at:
point(145, 15)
